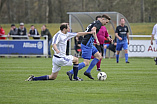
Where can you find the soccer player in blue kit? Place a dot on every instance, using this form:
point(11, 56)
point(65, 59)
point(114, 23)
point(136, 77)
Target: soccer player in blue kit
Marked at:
point(87, 47)
point(122, 37)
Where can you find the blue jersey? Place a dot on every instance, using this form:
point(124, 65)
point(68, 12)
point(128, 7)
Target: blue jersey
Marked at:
point(89, 39)
point(122, 32)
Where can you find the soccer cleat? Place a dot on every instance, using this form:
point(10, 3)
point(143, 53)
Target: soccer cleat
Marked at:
point(127, 62)
point(117, 61)
point(78, 79)
point(30, 78)
point(70, 75)
point(88, 75)
point(99, 69)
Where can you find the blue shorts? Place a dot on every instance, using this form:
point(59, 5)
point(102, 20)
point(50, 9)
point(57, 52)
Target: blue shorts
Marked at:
point(107, 45)
point(120, 46)
point(87, 52)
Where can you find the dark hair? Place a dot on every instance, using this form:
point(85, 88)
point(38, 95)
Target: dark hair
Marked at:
point(63, 26)
point(32, 25)
point(97, 17)
point(12, 25)
point(44, 25)
point(121, 19)
point(106, 16)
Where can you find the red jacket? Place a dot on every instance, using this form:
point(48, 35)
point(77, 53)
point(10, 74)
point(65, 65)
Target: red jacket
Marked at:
point(2, 32)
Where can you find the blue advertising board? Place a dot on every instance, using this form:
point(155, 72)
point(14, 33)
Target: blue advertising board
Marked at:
point(22, 47)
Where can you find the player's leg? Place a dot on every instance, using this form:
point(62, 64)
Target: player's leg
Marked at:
point(156, 57)
point(97, 56)
point(55, 70)
point(105, 47)
point(75, 67)
point(125, 46)
point(101, 51)
point(86, 55)
point(118, 49)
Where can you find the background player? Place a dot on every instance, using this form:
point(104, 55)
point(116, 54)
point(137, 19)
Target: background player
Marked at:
point(122, 36)
point(154, 34)
point(88, 49)
point(60, 58)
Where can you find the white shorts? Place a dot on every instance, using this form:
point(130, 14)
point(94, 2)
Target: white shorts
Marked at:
point(64, 61)
point(156, 42)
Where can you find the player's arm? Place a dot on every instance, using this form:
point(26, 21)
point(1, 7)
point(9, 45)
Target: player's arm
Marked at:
point(128, 37)
point(116, 34)
point(55, 48)
point(95, 36)
point(110, 39)
point(152, 37)
point(83, 33)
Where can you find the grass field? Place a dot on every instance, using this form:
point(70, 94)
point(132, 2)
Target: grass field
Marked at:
point(134, 83)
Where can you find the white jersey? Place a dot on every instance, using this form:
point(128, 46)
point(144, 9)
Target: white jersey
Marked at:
point(154, 32)
point(60, 39)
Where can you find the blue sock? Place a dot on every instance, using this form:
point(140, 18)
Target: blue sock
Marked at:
point(105, 52)
point(46, 77)
point(117, 58)
point(75, 70)
point(81, 65)
point(126, 57)
point(92, 64)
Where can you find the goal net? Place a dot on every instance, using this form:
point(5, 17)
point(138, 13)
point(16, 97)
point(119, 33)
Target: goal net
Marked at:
point(78, 22)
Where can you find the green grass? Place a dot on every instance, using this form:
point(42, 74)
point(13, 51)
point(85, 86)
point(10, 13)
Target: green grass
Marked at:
point(133, 83)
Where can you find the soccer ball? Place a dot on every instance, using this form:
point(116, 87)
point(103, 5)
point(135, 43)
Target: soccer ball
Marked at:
point(102, 76)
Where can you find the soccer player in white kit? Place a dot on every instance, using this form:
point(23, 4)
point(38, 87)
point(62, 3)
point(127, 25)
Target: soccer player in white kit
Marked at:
point(60, 58)
point(154, 35)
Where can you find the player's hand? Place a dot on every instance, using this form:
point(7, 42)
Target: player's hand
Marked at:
point(111, 40)
point(92, 32)
point(98, 43)
point(57, 51)
point(120, 38)
point(128, 42)
point(151, 42)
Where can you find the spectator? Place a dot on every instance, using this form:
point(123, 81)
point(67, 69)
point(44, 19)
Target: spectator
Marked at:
point(45, 31)
point(22, 31)
point(13, 31)
point(2, 32)
point(33, 31)
point(78, 45)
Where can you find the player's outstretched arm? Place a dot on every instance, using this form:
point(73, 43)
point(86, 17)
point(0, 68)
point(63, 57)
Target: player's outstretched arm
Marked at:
point(55, 48)
point(83, 33)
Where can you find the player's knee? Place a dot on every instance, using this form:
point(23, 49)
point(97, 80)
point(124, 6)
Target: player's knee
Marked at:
point(98, 56)
point(76, 60)
point(86, 63)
